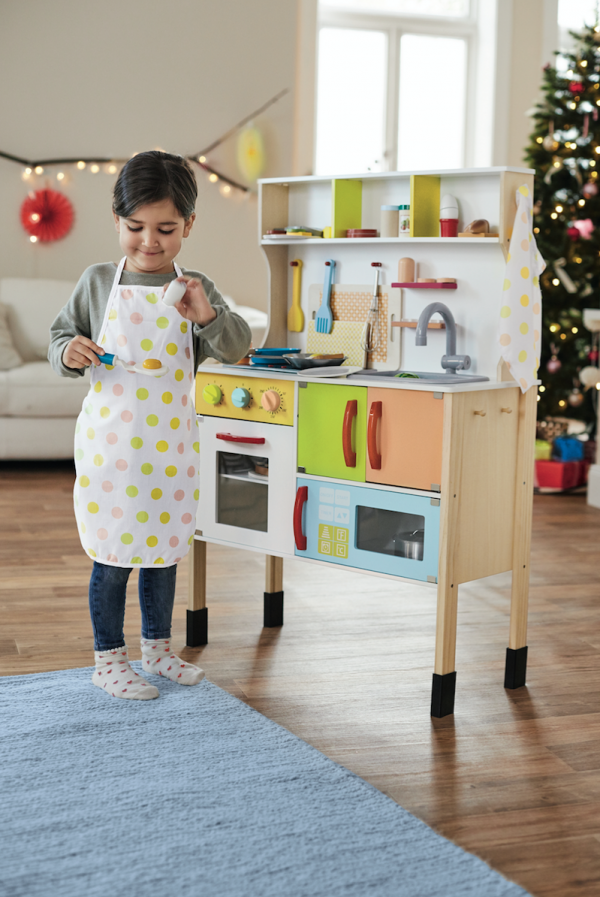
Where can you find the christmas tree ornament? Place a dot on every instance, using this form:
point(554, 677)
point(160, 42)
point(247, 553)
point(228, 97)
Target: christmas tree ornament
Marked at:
point(575, 87)
point(46, 215)
point(593, 356)
point(575, 398)
point(549, 143)
point(586, 126)
point(584, 227)
point(589, 376)
point(562, 275)
point(590, 189)
point(554, 364)
point(573, 232)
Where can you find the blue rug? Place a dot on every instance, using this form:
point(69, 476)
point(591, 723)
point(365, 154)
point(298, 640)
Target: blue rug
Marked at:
point(197, 794)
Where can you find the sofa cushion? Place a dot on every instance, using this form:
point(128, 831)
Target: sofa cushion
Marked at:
point(34, 390)
point(33, 306)
point(9, 357)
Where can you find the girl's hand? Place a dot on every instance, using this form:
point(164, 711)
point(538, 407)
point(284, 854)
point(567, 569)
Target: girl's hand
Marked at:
point(80, 353)
point(194, 305)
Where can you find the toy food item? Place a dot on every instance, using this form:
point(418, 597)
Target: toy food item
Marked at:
point(406, 270)
point(448, 216)
point(152, 364)
point(479, 226)
point(174, 292)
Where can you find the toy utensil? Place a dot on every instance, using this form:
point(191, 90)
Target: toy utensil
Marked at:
point(324, 318)
point(152, 366)
point(295, 321)
point(174, 292)
point(369, 340)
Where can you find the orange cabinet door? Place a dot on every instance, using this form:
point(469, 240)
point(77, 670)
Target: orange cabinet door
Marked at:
point(404, 438)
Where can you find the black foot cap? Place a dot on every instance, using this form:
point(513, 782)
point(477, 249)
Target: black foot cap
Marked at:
point(197, 628)
point(273, 609)
point(442, 694)
point(516, 667)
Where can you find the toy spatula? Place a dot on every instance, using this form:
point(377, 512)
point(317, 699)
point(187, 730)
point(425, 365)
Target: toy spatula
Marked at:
point(152, 366)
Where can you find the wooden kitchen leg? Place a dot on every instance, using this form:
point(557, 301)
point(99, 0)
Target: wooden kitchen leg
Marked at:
point(516, 653)
point(444, 677)
point(197, 612)
point(273, 609)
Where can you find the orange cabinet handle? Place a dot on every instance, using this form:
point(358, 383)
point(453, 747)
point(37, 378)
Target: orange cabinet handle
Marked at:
point(301, 499)
point(349, 414)
point(374, 417)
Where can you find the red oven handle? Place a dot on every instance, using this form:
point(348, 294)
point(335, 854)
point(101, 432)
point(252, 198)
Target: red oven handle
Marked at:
point(349, 414)
point(301, 499)
point(374, 417)
point(251, 440)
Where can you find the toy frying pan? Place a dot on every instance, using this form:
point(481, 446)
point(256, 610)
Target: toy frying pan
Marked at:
point(151, 366)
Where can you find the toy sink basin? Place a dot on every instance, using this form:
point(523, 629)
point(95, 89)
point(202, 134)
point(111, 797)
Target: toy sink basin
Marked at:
point(433, 377)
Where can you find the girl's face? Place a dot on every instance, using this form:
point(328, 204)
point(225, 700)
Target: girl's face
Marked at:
point(152, 237)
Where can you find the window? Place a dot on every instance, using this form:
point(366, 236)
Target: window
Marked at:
point(392, 85)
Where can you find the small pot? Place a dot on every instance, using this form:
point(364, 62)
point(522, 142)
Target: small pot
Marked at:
point(410, 545)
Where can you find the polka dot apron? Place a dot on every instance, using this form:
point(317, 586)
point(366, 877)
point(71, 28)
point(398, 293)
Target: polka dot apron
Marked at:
point(136, 449)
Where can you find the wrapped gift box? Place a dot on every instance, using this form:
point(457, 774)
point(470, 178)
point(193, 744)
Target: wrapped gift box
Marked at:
point(558, 476)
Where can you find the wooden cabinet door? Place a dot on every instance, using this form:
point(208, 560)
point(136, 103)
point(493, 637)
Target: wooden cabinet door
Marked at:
point(331, 430)
point(404, 437)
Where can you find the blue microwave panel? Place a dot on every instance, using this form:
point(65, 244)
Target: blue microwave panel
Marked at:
point(330, 526)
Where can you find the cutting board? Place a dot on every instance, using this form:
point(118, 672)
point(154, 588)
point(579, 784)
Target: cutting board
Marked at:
point(344, 337)
point(350, 304)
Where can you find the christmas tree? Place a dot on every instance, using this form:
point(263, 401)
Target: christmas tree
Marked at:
point(564, 149)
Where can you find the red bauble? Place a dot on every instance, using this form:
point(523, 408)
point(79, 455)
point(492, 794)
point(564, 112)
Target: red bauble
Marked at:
point(573, 232)
point(553, 365)
point(47, 215)
point(593, 356)
point(576, 87)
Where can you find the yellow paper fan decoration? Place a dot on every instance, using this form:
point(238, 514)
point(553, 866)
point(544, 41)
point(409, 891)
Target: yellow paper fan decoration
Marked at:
point(251, 153)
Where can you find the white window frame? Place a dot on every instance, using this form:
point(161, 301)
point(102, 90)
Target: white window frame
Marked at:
point(395, 27)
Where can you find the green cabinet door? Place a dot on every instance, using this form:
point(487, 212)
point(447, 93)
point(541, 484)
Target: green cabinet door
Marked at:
point(329, 419)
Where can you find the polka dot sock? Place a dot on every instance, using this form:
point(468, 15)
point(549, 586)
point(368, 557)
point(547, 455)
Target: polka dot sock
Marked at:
point(114, 675)
point(158, 658)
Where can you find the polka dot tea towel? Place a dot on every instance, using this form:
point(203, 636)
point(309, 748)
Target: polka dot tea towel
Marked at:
point(521, 311)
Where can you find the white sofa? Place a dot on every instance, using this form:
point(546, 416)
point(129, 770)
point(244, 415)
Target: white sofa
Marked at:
point(38, 408)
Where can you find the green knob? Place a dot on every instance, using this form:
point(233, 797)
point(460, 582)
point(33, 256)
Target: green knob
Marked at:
point(211, 394)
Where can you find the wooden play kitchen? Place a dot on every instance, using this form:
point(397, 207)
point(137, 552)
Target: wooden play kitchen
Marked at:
point(417, 465)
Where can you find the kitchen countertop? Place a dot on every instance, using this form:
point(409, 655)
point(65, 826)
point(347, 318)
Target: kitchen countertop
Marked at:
point(384, 382)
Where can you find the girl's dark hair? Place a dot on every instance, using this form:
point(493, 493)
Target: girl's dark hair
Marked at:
point(154, 176)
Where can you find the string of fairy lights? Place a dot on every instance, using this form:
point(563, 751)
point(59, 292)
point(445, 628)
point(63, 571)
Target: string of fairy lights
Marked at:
point(58, 168)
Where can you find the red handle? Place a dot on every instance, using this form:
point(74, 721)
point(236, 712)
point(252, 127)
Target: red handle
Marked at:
point(301, 499)
point(349, 415)
point(374, 418)
point(251, 440)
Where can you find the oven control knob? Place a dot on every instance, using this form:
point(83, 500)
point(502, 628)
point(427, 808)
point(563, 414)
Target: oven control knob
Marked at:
point(270, 400)
point(240, 397)
point(212, 394)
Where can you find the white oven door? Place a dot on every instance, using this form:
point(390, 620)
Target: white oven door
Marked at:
point(247, 483)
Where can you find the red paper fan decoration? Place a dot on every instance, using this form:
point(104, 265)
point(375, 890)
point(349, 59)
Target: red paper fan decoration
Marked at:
point(47, 215)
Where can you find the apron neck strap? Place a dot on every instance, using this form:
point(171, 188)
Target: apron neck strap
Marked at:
point(121, 266)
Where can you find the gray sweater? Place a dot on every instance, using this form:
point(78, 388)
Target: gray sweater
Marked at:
point(227, 338)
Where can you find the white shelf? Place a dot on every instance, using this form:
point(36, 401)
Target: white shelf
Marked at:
point(378, 240)
point(387, 175)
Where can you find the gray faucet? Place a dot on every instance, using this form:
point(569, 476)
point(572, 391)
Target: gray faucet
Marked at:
point(451, 362)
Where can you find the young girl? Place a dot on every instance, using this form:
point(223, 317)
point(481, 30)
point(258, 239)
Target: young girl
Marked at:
point(136, 445)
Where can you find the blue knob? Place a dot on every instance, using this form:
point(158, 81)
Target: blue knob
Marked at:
point(240, 397)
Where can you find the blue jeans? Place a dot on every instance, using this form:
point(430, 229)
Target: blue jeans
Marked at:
point(108, 586)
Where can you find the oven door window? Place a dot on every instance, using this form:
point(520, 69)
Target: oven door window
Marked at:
point(390, 532)
point(243, 491)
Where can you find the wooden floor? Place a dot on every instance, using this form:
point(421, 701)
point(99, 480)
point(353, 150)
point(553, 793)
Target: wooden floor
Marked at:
point(513, 776)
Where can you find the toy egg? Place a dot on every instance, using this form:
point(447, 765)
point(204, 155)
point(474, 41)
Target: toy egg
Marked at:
point(152, 364)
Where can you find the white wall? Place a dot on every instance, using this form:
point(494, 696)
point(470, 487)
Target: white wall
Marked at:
point(116, 77)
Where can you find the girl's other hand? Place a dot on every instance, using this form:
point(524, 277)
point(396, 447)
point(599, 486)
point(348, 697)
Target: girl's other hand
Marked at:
point(194, 305)
point(81, 352)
